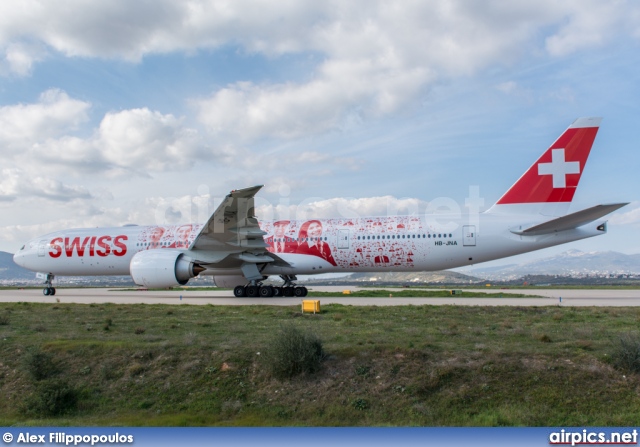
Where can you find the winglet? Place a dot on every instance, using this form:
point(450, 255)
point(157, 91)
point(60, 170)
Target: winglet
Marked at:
point(246, 192)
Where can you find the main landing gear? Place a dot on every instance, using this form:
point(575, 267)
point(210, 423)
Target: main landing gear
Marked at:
point(255, 289)
point(49, 290)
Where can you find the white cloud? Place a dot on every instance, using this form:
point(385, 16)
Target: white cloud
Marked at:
point(37, 136)
point(41, 154)
point(380, 58)
point(248, 111)
point(15, 183)
point(587, 24)
point(630, 217)
point(19, 58)
point(140, 138)
point(342, 207)
point(508, 87)
point(16, 235)
point(54, 114)
point(370, 58)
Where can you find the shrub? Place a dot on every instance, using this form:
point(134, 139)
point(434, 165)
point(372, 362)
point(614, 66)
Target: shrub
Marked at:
point(39, 364)
point(293, 352)
point(360, 404)
point(544, 338)
point(4, 320)
point(626, 354)
point(139, 330)
point(53, 397)
point(136, 369)
point(109, 371)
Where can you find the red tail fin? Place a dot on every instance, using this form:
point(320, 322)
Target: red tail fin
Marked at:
point(554, 177)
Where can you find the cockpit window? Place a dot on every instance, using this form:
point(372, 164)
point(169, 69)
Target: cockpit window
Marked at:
point(22, 248)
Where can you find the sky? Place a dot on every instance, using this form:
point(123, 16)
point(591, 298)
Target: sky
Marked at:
point(150, 112)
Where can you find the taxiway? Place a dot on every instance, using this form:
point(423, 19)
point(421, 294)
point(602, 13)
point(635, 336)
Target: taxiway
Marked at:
point(549, 297)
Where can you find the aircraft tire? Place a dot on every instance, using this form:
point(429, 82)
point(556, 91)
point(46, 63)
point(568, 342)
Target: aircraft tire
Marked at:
point(52, 291)
point(240, 291)
point(299, 292)
point(266, 291)
point(252, 291)
point(277, 291)
point(288, 291)
point(46, 291)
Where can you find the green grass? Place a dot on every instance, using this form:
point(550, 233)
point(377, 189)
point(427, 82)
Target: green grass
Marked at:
point(398, 366)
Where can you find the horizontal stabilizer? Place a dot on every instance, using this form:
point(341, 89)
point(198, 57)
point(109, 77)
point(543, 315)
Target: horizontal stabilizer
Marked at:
point(570, 221)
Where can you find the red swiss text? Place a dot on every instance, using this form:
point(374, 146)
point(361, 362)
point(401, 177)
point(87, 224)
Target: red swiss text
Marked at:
point(88, 246)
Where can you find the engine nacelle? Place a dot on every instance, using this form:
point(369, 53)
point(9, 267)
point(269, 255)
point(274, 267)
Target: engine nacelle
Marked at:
point(162, 268)
point(230, 281)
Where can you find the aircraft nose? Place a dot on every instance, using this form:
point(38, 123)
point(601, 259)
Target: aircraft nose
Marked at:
point(18, 258)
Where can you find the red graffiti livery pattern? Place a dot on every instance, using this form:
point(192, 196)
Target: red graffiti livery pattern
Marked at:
point(78, 246)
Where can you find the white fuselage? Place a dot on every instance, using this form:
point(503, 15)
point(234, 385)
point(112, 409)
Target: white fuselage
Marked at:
point(368, 244)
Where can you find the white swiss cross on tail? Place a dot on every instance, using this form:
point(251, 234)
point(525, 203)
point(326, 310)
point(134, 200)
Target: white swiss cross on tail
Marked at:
point(559, 168)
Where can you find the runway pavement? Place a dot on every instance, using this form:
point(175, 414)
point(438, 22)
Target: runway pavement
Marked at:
point(551, 297)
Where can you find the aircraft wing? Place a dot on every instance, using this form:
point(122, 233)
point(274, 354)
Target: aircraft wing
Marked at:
point(233, 224)
point(570, 221)
point(232, 237)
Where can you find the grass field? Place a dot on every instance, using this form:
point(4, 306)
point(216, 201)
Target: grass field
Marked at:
point(157, 365)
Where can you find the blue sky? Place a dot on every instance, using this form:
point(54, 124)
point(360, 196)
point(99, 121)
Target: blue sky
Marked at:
point(150, 112)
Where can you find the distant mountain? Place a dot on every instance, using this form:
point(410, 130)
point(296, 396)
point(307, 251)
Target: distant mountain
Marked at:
point(11, 272)
point(569, 263)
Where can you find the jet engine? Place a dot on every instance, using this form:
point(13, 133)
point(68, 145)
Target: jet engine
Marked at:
point(162, 268)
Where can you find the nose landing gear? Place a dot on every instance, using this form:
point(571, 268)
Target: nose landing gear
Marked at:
point(49, 290)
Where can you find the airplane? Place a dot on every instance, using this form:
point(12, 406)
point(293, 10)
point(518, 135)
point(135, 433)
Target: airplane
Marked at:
point(241, 252)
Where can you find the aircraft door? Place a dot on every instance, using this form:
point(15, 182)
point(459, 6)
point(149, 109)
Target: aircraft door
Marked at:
point(41, 248)
point(343, 239)
point(469, 235)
